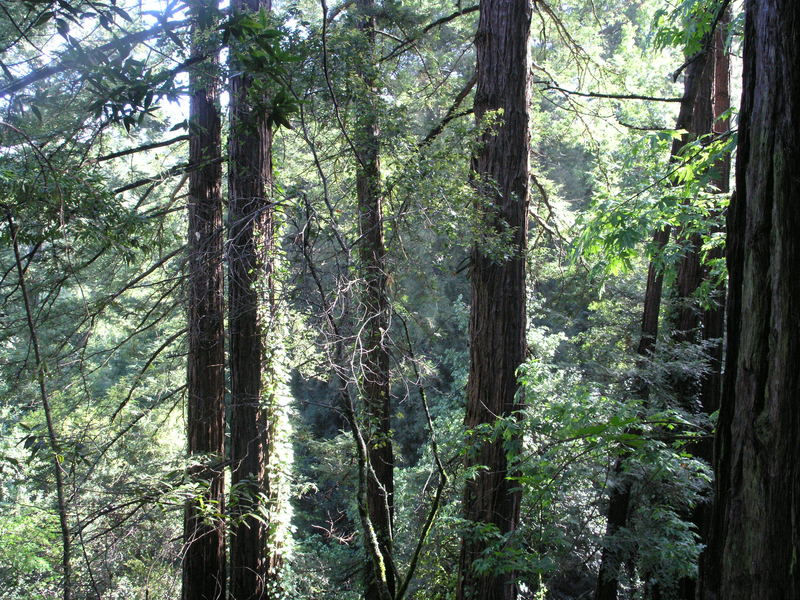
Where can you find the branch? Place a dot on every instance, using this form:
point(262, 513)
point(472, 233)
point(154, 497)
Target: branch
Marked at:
point(371, 544)
point(142, 371)
point(451, 112)
point(123, 432)
point(643, 127)
point(325, 71)
point(437, 499)
point(171, 172)
point(610, 96)
point(335, 12)
point(709, 36)
point(96, 54)
point(400, 48)
point(553, 232)
point(142, 148)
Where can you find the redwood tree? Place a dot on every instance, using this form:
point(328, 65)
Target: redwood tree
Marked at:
point(693, 323)
point(204, 559)
point(375, 383)
point(250, 320)
point(755, 531)
point(497, 320)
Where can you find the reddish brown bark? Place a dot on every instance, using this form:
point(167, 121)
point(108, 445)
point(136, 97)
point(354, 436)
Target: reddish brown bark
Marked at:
point(204, 559)
point(690, 322)
point(714, 317)
point(497, 319)
point(250, 318)
point(755, 533)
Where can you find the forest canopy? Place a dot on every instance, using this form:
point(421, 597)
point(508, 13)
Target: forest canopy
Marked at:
point(394, 299)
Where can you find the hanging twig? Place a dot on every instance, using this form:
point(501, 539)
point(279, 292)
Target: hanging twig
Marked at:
point(371, 541)
point(326, 73)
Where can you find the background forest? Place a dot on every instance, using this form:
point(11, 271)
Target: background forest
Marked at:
point(262, 223)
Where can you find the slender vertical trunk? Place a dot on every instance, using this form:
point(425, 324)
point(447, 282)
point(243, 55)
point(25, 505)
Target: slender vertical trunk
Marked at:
point(497, 320)
point(375, 380)
point(695, 98)
point(204, 560)
point(44, 396)
point(250, 319)
point(755, 531)
point(690, 271)
point(714, 317)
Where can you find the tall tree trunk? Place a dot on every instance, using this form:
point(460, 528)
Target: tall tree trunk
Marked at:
point(755, 532)
point(695, 95)
point(250, 320)
point(375, 380)
point(497, 320)
point(204, 560)
point(714, 316)
point(693, 324)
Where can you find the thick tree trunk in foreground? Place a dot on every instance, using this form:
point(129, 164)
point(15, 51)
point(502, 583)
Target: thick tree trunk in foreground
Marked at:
point(375, 381)
point(755, 533)
point(204, 559)
point(696, 97)
point(250, 320)
point(497, 320)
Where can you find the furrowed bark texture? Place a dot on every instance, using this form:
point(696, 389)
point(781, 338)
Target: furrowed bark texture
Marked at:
point(204, 559)
point(695, 95)
point(250, 319)
point(497, 320)
point(755, 532)
point(375, 379)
